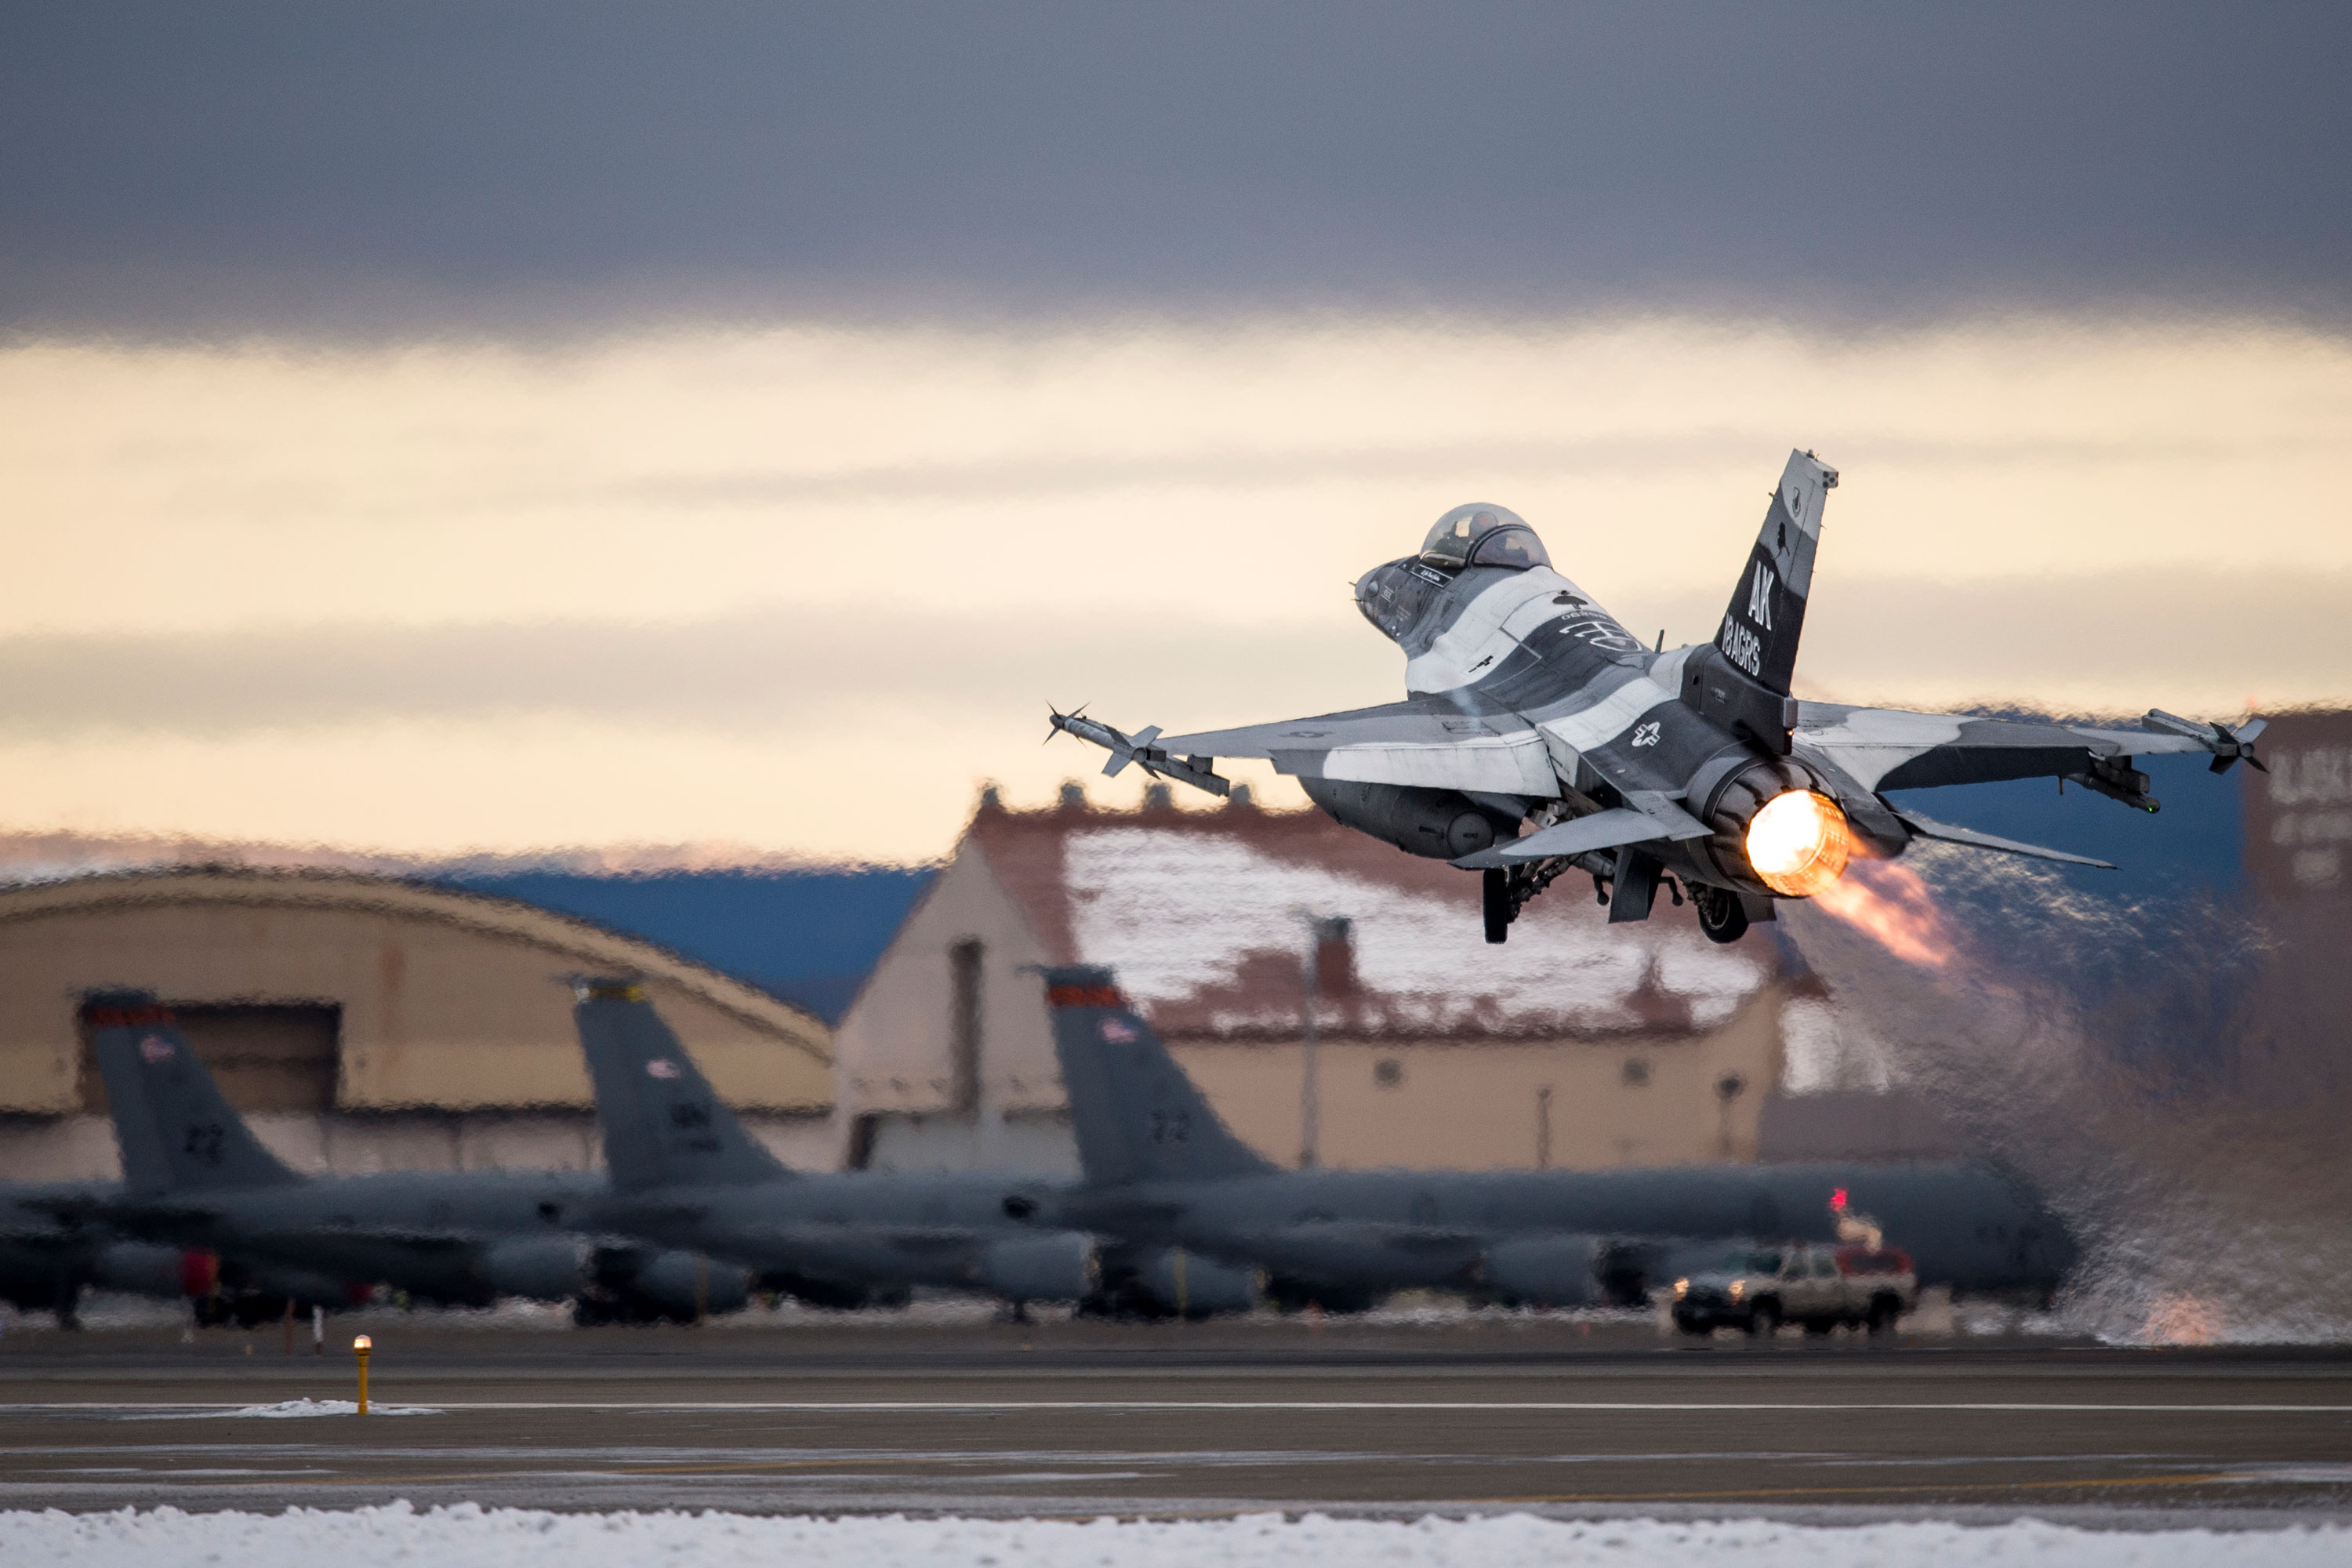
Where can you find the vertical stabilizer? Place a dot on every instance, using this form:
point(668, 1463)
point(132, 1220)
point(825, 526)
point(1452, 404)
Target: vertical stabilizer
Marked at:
point(663, 1124)
point(178, 1131)
point(1766, 614)
point(1137, 1116)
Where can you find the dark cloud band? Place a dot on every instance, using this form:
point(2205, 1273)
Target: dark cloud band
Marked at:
point(511, 166)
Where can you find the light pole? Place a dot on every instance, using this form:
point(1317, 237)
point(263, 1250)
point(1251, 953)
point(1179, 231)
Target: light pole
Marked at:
point(1320, 928)
point(1726, 1089)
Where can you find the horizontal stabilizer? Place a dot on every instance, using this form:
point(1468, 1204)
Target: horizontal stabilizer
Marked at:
point(1926, 828)
point(1602, 830)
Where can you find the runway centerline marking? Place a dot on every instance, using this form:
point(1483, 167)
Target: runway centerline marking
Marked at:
point(915, 1406)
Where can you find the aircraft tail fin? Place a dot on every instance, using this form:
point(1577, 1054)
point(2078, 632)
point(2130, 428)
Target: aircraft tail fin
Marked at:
point(1766, 613)
point(663, 1123)
point(178, 1131)
point(1137, 1115)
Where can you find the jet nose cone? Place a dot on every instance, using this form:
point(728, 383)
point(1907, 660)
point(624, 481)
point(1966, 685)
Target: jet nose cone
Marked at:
point(1394, 598)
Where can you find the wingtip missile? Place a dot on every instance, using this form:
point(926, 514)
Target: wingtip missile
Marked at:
point(2228, 746)
point(1138, 749)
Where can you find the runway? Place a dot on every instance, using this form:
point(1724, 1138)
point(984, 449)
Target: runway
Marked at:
point(1082, 1419)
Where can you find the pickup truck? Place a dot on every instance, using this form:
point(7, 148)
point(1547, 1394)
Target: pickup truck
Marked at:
point(1758, 1289)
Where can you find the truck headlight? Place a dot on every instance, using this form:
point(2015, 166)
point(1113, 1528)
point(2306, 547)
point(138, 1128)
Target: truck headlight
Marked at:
point(1681, 1288)
point(1737, 1286)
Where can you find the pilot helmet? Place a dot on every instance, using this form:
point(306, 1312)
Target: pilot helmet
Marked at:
point(1483, 534)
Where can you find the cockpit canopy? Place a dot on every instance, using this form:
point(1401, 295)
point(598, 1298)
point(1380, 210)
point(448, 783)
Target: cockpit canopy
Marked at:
point(1481, 534)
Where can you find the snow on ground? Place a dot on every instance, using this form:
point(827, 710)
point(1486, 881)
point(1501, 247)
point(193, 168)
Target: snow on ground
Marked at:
point(292, 1408)
point(470, 1537)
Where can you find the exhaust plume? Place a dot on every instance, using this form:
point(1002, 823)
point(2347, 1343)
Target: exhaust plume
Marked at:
point(2173, 1075)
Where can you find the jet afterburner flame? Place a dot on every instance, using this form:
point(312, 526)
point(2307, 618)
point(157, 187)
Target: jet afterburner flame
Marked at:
point(1798, 844)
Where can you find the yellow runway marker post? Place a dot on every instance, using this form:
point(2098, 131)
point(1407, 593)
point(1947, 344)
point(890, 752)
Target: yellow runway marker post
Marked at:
point(361, 1345)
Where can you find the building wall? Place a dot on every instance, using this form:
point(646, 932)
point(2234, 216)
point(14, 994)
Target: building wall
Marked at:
point(1858, 1124)
point(1034, 1142)
point(432, 1014)
point(1490, 1104)
point(1468, 1104)
point(894, 1047)
point(454, 1045)
point(2299, 814)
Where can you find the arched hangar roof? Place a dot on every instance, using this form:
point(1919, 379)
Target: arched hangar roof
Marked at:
point(448, 999)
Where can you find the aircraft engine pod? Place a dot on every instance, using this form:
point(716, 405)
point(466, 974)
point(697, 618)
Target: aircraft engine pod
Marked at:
point(1777, 829)
point(1187, 1285)
point(686, 1286)
point(147, 1269)
point(1545, 1271)
point(1437, 823)
point(1056, 1268)
point(547, 1268)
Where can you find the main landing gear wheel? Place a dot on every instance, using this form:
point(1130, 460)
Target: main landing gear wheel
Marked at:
point(1721, 915)
point(1496, 900)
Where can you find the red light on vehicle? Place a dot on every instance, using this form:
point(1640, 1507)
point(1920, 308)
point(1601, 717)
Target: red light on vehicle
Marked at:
point(1837, 1199)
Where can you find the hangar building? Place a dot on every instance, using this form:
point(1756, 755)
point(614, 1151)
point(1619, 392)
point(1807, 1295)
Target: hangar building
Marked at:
point(1576, 1044)
point(366, 1022)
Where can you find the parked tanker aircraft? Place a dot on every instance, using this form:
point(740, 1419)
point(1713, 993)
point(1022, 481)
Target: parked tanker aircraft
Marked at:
point(195, 1178)
point(1163, 1172)
point(686, 1174)
point(1527, 704)
point(50, 1253)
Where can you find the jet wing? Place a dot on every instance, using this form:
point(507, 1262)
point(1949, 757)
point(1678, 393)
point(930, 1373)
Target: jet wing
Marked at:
point(1425, 741)
point(1888, 748)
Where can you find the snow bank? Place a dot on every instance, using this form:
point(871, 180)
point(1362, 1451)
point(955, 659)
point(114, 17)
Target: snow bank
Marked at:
point(285, 1408)
point(470, 1537)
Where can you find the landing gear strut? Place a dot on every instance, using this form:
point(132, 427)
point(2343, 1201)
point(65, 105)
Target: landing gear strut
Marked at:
point(1507, 889)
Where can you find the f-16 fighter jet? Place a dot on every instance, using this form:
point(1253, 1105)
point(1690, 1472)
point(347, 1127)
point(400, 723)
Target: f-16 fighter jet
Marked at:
point(1527, 704)
point(1167, 1178)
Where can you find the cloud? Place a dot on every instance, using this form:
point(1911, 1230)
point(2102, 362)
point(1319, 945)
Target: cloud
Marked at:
point(803, 587)
point(2115, 643)
point(446, 168)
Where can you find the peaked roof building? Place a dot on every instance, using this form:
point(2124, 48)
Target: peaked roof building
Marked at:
point(1208, 918)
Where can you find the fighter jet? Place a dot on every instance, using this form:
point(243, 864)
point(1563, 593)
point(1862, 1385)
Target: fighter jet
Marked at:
point(1528, 705)
point(196, 1177)
point(1164, 1173)
point(685, 1173)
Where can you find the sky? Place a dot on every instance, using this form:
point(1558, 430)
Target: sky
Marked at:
point(505, 427)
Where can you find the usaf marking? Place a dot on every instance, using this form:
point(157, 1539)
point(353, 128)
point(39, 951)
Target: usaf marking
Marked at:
point(1742, 647)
